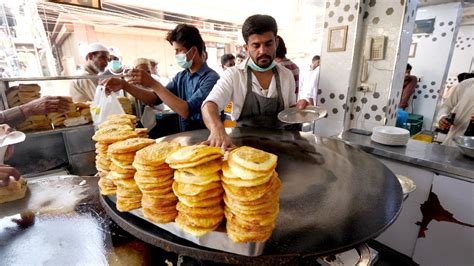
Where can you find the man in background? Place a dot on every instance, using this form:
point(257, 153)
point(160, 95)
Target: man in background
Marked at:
point(309, 84)
point(185, 93)
point(227, 60)
point(114, 66)
point(409, 85)
point(97, 57)
point(240, 58)
point(281, 59)
point(461, 103)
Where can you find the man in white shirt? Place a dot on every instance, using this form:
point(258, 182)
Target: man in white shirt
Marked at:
point(97, 57)
point(309, 84)
point(460, 102)
point(258, 88)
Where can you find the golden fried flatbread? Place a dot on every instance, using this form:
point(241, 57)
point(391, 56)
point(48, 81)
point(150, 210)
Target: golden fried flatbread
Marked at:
point(160, 202)
point(248, 193)
point(114, 122)
point(114, 134)
point(126, 206)
point(192, 153)
point(194, 230)
point(193, 190)
point(271, 195)
point(230, 178)
point(150, 168)
point(196, 163)
point(217, 191)
point(250, 220)
point(159, 218)
point(188, 178)
point(123, 165)
point(201, 212)
point(160, 182)
point(201, 203)
point(207, 222)
point(156, 154)
point(253, 159)
point(123, 157)
point(244, 173)
point(205, 168)
point(129, 145)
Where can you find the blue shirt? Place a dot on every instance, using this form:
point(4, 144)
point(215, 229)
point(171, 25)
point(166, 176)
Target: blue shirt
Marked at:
point(193, 88)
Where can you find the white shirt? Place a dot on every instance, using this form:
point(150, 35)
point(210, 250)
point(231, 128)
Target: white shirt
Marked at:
point(309, 84)
point(232, 87)
point(461, 102)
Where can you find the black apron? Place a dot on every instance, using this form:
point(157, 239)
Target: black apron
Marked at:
point(260, 111)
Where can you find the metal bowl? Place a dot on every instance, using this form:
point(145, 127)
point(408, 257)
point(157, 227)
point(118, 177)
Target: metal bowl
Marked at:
point(465, 144)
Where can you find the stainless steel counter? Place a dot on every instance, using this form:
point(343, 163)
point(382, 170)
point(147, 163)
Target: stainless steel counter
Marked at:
point(440, 158)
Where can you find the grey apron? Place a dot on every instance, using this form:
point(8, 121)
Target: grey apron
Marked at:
point(260, 111)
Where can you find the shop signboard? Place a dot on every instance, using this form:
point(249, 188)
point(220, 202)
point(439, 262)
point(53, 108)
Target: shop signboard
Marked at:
point(83, 3)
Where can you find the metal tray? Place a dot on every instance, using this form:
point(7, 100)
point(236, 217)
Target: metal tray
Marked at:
point(309, 114)
point(217, 239)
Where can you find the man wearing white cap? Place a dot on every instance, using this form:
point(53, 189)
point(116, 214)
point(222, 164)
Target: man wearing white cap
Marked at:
point(83, 90)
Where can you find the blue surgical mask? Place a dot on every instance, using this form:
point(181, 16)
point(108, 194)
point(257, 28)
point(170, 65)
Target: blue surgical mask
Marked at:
point(115, 65)
point(182, 62)
point(255, 67)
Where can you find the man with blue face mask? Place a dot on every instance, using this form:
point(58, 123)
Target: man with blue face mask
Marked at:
point(185, 93)
point(258, 88)
point(114, 67)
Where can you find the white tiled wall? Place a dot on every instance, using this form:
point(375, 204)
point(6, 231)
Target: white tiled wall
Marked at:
point(463, 54)
point(433, 57)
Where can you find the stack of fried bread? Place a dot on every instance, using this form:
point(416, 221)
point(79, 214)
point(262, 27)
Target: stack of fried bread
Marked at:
point(122, 155)
point(198, 187)
point(114, 129)
point(35, 122)
point(142, 132)
point(155, 179)
point(126, 104)
point(79, 114)
point(251, 197)
point(24, 93)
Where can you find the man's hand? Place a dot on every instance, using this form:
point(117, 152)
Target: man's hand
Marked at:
point(301, 104)
point(48, 104)
point(444, 124)
point(113, 85)
point(5, 172)
point(142, 78)
point(219, 138)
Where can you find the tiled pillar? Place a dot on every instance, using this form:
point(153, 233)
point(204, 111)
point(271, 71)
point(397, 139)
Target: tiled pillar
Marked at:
point(338, 69)
point(394, 20)
point(340, 74)
point(433, 57)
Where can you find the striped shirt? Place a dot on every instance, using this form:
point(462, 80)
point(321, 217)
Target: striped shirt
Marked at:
point(294, 69)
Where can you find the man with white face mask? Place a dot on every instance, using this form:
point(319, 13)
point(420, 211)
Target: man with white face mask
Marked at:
point(97, 57)
point(185, 93)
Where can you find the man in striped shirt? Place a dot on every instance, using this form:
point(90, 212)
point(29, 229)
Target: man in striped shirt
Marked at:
point(280, 58)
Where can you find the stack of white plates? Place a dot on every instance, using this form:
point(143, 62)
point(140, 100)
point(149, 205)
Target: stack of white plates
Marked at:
point(392, 136)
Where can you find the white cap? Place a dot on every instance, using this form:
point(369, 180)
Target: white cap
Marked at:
point(115, 52)
point(95, 47)
point(141, 61)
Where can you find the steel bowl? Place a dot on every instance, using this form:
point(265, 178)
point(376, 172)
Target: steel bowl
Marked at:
point(465, 144)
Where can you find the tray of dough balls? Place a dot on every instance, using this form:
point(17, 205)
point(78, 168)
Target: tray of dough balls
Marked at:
point(227, 202)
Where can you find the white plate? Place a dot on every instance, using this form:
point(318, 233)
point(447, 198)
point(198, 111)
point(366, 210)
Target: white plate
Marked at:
point(309, 114)
point(388, 141)
point(388, 130)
